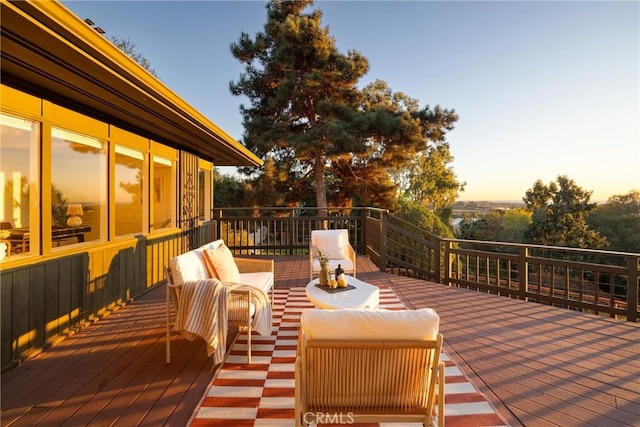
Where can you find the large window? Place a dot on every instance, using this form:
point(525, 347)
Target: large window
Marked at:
point(163, 193)
point(129, 191)
point(67, 179)
point(78, 188)
point(19, 147)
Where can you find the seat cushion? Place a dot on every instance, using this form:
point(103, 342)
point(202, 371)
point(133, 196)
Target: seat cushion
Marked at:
point(188, 266)
point(220, 264)
point(332, 243)
point(345, 263)
point(261, 280)
point(363, 324)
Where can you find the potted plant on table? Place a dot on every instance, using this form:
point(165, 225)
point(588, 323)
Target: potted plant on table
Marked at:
point(325, 276)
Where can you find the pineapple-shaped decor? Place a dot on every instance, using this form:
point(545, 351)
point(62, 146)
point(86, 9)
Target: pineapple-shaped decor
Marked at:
point(325, 276)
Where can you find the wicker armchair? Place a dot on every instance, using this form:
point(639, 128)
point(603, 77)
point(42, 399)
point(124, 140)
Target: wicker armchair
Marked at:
point(254, 273)
point(240, 311)
point(358, 377)
point(335, 245)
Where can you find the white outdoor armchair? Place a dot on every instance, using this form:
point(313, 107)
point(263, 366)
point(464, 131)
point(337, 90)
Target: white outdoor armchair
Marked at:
point(334, 244)
point(241, 305)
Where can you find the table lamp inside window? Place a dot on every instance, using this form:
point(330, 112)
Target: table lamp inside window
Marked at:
point(75, 211)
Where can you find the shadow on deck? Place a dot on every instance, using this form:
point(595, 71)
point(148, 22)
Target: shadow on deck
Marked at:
point(538, 365)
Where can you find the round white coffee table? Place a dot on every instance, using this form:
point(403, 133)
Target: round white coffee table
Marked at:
point(363, 295)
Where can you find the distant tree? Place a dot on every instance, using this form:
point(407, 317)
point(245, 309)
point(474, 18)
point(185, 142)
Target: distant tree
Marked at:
point(515, 223)
point(619, 221)
point(559, 213)
point(131, 49)
point(229, 191)
point(270, 187)
point(508, 225)
point(432, 182)
point(422, 217)
point(307, 112)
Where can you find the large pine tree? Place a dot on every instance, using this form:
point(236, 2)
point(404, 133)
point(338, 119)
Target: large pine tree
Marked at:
point(307, 113)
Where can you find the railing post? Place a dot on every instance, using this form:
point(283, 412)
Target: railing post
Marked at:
point(292, 235)
point(438, 261)
point(364, 213)
point(447, 260)
point(523, 273)
point(632, 288)
point(384, 217)
point(217, 216)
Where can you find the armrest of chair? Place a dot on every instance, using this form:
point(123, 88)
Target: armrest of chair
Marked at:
point(252, 265)
point(243, 295)
point(352, 257)
point(440, 401)
point(313, 251)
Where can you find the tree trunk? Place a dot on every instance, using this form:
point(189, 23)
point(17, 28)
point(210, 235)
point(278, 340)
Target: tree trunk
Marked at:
point(321, 190)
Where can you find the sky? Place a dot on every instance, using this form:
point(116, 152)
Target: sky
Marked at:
point(542, 88)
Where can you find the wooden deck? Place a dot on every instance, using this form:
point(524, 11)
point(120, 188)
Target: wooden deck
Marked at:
point(538, 365)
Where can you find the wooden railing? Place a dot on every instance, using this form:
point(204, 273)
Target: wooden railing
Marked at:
point(598, 282)
point(284, 231)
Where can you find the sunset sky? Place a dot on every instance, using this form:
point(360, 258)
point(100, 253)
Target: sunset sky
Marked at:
point(542, 88)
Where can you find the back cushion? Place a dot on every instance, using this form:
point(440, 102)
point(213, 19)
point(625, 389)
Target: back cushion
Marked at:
point(332, 243)
point(211, 245)
point(188, 266)
point(220, 264)
point(363, 324)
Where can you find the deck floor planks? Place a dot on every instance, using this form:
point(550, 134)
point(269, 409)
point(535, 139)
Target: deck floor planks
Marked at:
point(538, 365)
point(62, 379)
point(547, 361)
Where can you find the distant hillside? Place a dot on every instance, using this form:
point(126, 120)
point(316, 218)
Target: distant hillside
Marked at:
point(461, 208)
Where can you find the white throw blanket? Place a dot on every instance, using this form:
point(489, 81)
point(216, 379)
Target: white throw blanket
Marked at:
point(203, 312)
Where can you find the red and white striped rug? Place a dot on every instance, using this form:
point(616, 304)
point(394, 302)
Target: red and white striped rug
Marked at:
point(262, 393)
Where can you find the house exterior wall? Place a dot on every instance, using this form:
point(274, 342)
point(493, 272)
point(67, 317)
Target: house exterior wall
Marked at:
point(88, 133)
point(52, 288)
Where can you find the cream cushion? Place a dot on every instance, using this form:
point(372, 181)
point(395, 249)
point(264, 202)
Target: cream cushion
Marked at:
point(363, 324)
point(192, 265)
point(211, 245)
point(332, 243)
point(188, 266)
point(345, 263)
point(220, 264)
point(261, 280)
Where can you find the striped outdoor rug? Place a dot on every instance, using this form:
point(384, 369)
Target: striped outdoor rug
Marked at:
point(262, 393)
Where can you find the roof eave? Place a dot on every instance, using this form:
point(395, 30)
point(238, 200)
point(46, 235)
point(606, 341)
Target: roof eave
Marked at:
point(48, 49)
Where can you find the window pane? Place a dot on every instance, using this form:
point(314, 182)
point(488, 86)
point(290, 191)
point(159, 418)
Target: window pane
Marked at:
point(128, 192)
point(78, 188)
point(162, 193)
point(19, 141)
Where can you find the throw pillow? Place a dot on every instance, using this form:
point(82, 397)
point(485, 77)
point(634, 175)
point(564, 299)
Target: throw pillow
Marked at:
point(220, 264)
